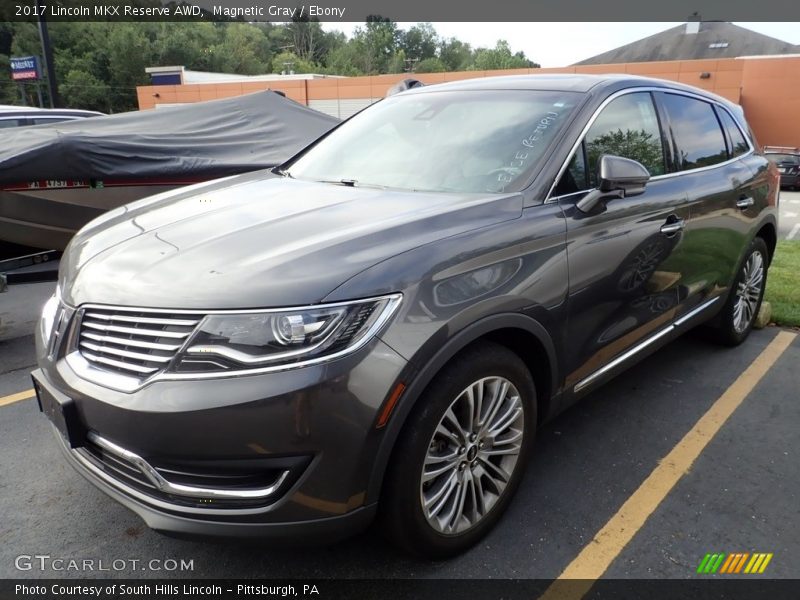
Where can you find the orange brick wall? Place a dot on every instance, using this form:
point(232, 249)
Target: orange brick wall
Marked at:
point(768, 89)
point(771, 99)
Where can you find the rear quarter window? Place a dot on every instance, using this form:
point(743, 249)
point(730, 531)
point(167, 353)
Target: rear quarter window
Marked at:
point(739, 144)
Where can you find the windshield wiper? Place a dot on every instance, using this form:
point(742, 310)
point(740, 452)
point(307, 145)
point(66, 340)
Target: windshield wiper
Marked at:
point(355, 183)
point(347, 182)
point(282, 172)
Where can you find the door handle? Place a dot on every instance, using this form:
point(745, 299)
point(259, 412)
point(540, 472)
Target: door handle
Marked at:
point(745, 202)
point(673, 226)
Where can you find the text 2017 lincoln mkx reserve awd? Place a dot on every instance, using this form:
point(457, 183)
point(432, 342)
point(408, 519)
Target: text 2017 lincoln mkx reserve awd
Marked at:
point(376, 328)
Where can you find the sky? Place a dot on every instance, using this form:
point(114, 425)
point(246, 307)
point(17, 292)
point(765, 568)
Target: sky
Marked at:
point(562, 44)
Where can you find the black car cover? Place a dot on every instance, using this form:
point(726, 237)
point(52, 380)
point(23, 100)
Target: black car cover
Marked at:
point(205, 139)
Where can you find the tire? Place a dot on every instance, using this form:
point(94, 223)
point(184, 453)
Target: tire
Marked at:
point(431, 435)
point(744, 299)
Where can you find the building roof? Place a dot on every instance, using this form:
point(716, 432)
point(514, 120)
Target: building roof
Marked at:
point(187, 76)
point(695, 40)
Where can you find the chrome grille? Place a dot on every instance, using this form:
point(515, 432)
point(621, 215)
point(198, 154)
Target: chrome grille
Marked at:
point(132, 342)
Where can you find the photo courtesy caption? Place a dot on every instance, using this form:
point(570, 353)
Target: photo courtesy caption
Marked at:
point(145, 589)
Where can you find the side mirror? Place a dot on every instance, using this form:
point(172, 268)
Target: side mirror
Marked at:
point(619, 177)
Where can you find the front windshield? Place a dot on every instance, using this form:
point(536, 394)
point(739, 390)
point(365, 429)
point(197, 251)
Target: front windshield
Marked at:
point(458, 141)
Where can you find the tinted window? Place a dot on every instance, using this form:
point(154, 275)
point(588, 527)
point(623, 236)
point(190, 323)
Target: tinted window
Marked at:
point(574, 178)
point(627, 127)
point(4, 123)
point(737, 138)
point(695, 131)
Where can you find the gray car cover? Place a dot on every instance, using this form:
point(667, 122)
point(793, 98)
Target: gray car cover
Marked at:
point(205, 139)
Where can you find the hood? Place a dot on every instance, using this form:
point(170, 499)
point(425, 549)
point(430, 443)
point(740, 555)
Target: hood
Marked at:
point(257, 241)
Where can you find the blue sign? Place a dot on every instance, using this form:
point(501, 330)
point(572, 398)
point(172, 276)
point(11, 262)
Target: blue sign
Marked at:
point(25, 68)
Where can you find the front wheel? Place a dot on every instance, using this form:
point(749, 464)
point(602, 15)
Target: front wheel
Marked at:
point(744, 299)
point(461, 454)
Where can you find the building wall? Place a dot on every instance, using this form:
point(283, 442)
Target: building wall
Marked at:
point(771, 99)
point(767, 88)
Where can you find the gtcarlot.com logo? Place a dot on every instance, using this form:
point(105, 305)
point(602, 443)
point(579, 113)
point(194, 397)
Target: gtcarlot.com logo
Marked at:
point(46, 562)
point(734, 563)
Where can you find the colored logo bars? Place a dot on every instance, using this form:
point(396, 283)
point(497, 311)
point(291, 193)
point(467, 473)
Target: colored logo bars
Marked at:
point(734, 563)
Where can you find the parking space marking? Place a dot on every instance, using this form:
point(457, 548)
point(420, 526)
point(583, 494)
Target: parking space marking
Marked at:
point(795, 230)
point(17, 397)
point(595, 558)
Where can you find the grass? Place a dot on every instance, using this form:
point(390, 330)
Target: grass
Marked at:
point(783, 284)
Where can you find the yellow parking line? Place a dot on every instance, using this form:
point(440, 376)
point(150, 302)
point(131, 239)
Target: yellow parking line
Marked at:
point(597, 556)
point(17, 397)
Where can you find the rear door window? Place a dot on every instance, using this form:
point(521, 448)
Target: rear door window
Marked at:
point(695, 131)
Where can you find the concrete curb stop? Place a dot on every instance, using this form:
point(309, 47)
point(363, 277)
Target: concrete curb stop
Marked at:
point(763, 317)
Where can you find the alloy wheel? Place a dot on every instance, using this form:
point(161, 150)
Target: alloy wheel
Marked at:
point(472, 455)
point(748, 292)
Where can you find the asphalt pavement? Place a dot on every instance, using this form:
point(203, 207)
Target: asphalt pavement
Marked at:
point(742, 494)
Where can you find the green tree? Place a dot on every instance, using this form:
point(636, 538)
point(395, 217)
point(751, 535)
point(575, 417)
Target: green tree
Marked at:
point(307, 37)
point(289, 61)
point(344, 60)
point(500, 57)
point(455, 54)
point(431, 65)
point(187, 44)
point(419, 42)
point(81, 89)
point(376, 43)
point(100, 64)
point(243, 50)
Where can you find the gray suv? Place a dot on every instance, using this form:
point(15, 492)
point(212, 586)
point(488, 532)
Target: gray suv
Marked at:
point(377, 327)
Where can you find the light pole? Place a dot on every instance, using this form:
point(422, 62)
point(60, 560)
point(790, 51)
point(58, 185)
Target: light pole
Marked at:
point(47, 51)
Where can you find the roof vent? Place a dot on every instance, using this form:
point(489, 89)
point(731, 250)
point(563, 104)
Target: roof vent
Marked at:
point(693, 24)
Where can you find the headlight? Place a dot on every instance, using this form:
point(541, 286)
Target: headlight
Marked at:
point(293, 337)
point(47, 320)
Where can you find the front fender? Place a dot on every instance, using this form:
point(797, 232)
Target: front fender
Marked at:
point(427, 363)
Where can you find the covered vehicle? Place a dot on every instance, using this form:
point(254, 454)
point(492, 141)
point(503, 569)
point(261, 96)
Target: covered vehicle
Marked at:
point(56, 178)
point(25, 116)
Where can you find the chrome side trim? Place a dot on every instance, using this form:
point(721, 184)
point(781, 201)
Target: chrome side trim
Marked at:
point(694, 312)
point(165, 486)
point(550, 198)
point(627, 355)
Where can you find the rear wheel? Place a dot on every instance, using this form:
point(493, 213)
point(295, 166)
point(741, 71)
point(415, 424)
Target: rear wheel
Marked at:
point(744, 299)
point(461, 455)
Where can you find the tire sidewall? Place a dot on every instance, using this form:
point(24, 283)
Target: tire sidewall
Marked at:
point(410, 525)
point(727, 327)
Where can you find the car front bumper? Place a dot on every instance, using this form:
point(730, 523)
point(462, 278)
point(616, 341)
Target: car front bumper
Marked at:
point(309, 432)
